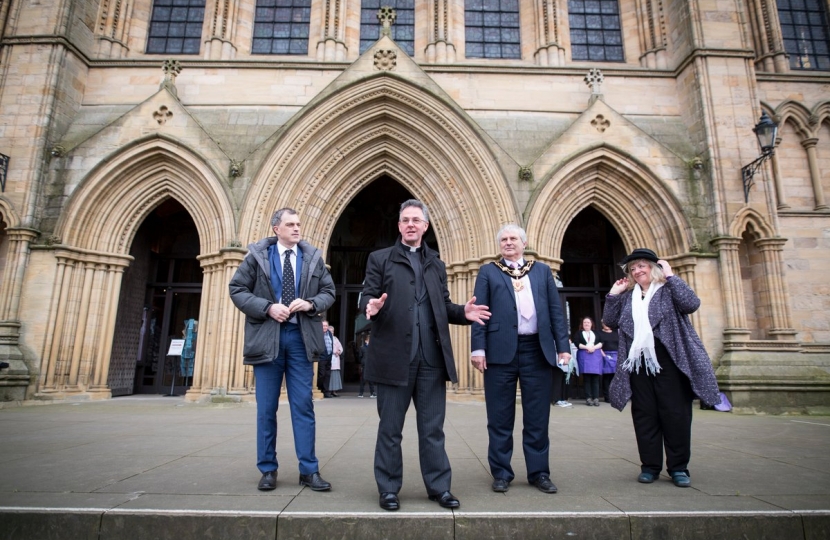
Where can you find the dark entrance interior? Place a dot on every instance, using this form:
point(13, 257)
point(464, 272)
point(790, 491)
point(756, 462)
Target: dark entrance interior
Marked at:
point(590, 250)
point(369, 223)
point(160, 296)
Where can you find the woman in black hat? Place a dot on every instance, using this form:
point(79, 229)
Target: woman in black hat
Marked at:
point(662, 363)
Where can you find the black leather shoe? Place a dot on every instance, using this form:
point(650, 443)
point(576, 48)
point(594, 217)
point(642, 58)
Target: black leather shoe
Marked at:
point(500, 485)
point(446, 499)
point(268, 481)
point(544, 484)
point(4, 365)
point(681, 479)
point(315, 482)
point(646, 477)
point(389, 501)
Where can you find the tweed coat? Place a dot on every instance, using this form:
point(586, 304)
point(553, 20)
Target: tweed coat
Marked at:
point(668, 313)
point(389, 271)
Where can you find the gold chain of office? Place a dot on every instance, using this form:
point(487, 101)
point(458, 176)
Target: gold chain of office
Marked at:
point(516, 274)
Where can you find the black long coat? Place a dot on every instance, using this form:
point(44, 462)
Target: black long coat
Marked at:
point(389, 271)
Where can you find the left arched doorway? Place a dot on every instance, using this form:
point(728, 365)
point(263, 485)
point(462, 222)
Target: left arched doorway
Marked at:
point(368, 223)
point(160, 296)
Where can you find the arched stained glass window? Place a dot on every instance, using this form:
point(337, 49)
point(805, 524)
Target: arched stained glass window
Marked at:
point(176, 27)
point(492, 29)
point(281, 27)
point(596, 31)
point(805, 29)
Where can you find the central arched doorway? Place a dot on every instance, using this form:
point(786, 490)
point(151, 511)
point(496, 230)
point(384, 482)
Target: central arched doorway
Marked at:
point(591, 249)
point(160, 296)
point(368, 223)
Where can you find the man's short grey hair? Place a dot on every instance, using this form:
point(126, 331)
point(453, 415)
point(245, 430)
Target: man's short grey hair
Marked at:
point(276, 219)
point(416, 203)
point(511, 227)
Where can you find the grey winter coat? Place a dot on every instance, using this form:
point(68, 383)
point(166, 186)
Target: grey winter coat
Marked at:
point(668, 313)
point(252, 293)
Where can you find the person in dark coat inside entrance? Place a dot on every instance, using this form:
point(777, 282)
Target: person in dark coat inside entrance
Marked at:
point(661, 362)
point(282, 286)
point(405, 296)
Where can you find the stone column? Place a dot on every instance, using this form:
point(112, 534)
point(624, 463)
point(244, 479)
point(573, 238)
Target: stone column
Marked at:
point(772, 250)
point(219, 42)
point(684, 267)
point(218, 371)
point(652, 31)
point(15, 379)
point(733, 305)
point(331, 46)
point(439, 48)
point(461, 279)
point(765, 28)
point(815, 174)
point(113, 29)
point(777, 180)
point(548, 29)
point(79, 340)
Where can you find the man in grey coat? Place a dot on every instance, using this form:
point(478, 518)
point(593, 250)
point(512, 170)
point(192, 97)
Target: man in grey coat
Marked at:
point(405, 296)
point(283, 288)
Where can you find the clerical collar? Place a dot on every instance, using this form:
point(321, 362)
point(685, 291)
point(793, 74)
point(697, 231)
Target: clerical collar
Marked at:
point(407, 247)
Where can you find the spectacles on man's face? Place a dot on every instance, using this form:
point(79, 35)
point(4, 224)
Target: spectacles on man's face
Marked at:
point(414, 221)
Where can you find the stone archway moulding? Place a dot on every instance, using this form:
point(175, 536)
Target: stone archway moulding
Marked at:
point(633, 199)
point(96, 231)
point(384, 123)
point(107, 208)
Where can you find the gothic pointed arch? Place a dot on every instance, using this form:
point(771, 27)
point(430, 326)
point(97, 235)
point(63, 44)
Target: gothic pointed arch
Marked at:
point(8, 213)
point(384, 124)
point(633, 199)
point(821, 112)
point(749, 217)
point(795, 113)
point(112, 202)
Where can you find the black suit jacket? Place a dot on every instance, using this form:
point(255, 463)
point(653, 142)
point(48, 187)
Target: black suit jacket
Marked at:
point(389, 271)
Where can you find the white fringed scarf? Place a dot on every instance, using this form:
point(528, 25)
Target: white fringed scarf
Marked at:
point(642, 346)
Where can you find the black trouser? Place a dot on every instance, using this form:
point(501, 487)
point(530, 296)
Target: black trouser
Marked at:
point(606, 384)
point(661, 407)
point(591, 381)
point(363, 382)
point(324, 374)
point(560, 387)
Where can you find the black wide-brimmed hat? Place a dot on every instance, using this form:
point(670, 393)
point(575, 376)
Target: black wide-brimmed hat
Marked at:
point(640, 253)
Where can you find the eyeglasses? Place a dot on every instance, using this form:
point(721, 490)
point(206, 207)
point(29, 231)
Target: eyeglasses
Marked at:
point(414, 221)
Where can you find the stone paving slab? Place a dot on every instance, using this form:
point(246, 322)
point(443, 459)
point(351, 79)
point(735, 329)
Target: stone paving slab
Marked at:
point(158, 467)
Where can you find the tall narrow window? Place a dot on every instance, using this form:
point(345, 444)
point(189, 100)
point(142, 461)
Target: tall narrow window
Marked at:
point(596, 33)
point(804, 26)
point(281, 27)
point(176, 27)
point(403, 31)
point(491, 29)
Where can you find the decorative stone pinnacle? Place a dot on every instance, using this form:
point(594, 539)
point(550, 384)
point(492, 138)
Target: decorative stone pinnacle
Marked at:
point(171, 68)
point(387, 16)
point(594, 79)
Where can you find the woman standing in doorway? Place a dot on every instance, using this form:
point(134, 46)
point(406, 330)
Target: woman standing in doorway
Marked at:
point(662, 363)
point(335, 382)
point(589, 357)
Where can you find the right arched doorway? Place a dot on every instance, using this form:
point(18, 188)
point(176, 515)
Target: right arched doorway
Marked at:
point(590, 251)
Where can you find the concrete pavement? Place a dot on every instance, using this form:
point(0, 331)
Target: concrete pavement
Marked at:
point(158, 467)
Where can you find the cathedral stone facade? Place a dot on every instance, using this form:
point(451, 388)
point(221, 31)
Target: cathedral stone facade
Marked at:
point(147, 142)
